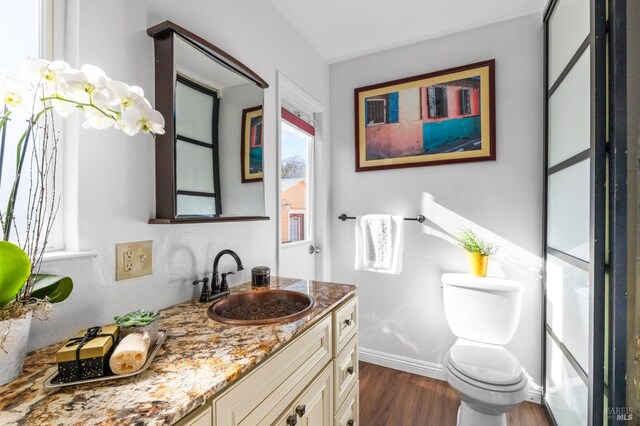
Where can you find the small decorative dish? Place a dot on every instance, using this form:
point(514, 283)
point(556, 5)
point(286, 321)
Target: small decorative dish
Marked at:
point(51, 381)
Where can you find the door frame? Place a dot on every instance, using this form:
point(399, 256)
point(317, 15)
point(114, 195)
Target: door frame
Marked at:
point(606, 257)
point(290, 93)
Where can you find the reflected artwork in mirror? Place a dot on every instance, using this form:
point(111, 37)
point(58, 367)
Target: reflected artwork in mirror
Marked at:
point(209, 162)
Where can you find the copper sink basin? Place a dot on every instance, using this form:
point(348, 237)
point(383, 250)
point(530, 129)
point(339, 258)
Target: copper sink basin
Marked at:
point(261, 307)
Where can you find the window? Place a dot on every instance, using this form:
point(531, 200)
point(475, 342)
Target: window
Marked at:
point(32, 21)
point(296, 153)
point(465, 101)
point(437, 102)
point(296, 229)
point(376, 111)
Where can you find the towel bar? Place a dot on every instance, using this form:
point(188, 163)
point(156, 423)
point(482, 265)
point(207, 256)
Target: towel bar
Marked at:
point(420, 218)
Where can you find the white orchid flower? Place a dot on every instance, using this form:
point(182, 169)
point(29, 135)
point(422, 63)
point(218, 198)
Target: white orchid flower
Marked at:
point(76, 87)
point(17, 97)
point(82, 86)
point(99, 116)
point(146, 119)
point(39, 71)
point(124, 96)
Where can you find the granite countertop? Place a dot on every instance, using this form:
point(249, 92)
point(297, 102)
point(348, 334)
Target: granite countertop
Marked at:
point(199, 358)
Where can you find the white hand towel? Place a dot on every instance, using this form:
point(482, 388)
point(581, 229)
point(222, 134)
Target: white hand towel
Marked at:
point(379, 243)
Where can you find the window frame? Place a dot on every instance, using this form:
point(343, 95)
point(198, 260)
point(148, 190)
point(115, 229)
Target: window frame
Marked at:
point(465, 101)
point(432, 96)
point(308, 130)
point(384, 111)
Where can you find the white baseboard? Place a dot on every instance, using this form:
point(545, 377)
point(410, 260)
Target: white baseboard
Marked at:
point(397, 362)
point(535, 392)
point(423, 368)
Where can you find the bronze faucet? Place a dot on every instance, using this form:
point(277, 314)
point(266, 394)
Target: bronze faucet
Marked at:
point(219, 289)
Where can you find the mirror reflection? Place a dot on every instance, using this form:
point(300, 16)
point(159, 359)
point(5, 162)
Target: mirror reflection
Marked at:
point(218, 137)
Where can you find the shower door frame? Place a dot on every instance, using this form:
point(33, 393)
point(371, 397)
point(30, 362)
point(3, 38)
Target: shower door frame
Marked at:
point(608, 209)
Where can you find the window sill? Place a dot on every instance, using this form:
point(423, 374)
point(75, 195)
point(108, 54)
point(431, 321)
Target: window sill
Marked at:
point(57, 256)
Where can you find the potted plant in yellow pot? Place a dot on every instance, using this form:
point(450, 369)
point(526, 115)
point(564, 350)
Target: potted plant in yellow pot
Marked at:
point(28, 105)
point(478, 251)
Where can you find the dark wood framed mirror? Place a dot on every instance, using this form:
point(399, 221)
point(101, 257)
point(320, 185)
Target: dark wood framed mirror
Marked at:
point(208, 147)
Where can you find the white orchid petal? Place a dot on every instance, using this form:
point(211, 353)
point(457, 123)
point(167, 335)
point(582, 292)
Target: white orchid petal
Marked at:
point(137, 90)
point(118, 88)
point(96, 120)
point(64, 109)
point(101, 99)
point(155, 117)
point(141, 102)
point(30, 69)
point(93, 72)
point(59, 66)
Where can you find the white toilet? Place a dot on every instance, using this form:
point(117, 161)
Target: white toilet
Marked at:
point(484, 314)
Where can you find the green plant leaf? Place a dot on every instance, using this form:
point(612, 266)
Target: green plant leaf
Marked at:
point(56, 287)
point(471, 242)
point(15, 268)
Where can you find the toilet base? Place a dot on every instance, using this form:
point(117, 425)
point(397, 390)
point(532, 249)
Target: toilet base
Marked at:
point(467, 416)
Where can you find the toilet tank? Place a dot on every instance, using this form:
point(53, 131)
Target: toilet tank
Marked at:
point(482, 309)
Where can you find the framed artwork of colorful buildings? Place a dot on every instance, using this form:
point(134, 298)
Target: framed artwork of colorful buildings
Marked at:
point(437, 118)
point(251, 151)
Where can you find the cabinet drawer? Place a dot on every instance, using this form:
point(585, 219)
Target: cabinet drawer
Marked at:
point(345, 371)
point(348, 414)
point(264, 392)
point(345, 324)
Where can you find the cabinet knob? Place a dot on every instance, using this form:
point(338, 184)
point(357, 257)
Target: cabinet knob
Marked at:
point(350, 370)
point(348, 321)
point(292, 420)
point(300, 410)
point(351, 422)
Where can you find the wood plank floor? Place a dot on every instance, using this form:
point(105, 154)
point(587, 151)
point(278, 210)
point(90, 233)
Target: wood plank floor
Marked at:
point(395, 398)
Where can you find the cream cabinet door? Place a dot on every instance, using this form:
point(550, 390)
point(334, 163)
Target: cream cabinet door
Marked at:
point(345, 371)
point(348, 414)
point(264, 394)
point(315, 406)
point(345, 324)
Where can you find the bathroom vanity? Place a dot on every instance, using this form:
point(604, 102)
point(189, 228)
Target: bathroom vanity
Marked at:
point(313, 380)
point(303, 372)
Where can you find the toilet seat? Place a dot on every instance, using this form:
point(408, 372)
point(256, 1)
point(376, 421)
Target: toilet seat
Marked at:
point(485, 366)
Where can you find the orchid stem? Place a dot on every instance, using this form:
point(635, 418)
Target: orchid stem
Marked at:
point(80, 104)
point(21, 154)
point(3, 126)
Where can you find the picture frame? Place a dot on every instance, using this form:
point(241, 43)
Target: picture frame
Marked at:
point(436, 118)
point(251, 152)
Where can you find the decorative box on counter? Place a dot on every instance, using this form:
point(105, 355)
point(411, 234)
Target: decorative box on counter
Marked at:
point(86, 355)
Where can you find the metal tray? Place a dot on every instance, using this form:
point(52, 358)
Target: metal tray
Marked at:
point(51, 381)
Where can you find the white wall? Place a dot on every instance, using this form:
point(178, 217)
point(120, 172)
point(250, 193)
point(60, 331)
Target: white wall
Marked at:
point(237, 198)
point(109, 177)
point(402, 318)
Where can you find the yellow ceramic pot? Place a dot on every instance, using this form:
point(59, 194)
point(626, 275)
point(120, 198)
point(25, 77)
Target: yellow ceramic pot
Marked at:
point(478, 264)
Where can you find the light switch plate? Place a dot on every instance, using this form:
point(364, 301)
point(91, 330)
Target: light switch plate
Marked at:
point(133, 259)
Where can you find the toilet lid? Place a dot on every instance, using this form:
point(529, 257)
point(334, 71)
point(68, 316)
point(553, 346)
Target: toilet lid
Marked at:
point(485, 363)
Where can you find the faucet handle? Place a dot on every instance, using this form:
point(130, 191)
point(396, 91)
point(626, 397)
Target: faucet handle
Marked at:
point(205, 296)
point(203, 281)
point(223, 284)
